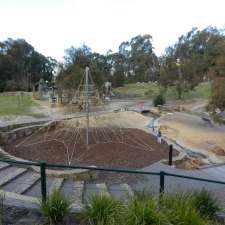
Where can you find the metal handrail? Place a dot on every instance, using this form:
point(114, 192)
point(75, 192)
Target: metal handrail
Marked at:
point(162, 174)
point(194, 178)
point(108, 169)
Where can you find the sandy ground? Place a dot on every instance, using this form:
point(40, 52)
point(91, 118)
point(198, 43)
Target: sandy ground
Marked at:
point(196, 134)
point(51, 112)
point(126, 119)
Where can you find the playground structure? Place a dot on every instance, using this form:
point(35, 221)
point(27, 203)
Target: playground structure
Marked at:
point(75, 97)
point(86, 94)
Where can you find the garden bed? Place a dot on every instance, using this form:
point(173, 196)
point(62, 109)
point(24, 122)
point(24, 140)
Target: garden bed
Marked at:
point(108, 146)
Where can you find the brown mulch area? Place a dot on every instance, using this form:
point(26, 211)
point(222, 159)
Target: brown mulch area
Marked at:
point(111, 146)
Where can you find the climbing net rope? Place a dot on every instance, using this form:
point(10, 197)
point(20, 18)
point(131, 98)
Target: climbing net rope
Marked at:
point(70, 136)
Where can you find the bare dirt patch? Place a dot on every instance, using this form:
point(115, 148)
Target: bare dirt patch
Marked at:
point(108, 146)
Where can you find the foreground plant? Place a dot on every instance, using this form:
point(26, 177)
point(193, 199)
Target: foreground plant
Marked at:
point(205, 203)
point(103, 210)
point(142, 209)
point(56, 206)
point(180, 210)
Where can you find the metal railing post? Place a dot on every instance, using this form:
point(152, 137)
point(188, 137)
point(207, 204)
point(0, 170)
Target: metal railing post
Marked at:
point(171, 155)
point(43, 180)
point(162, 182)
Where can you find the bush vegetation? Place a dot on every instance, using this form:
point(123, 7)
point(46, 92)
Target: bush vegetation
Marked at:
point(159, 100)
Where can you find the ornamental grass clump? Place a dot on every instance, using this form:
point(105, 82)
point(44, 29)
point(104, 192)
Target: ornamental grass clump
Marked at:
point(55, 207)
point(180, 210)
point(193, 208)
point(103, 210)
point(142, 209)
point(205, 203)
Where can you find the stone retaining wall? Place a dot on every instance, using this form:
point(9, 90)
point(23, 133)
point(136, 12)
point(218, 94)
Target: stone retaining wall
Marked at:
point(7, 137)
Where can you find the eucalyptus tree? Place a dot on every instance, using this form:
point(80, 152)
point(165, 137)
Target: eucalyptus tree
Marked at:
point(76, 59)
point(187, 63)
point(217, 73)
point(143, 62)
point(21, 65)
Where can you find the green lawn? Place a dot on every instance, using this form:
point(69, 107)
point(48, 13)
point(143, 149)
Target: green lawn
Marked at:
point(17, 105)
point(152, 89)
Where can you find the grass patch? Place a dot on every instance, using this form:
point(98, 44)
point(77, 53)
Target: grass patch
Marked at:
point(138, 89)
point(17, 105)
point(152, 89)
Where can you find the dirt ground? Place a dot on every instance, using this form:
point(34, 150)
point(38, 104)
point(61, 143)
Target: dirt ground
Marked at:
point(111, 146)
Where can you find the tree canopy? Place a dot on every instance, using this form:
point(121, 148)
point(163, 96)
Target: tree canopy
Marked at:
point(134, 61)
point(21, 66)
point(197, 56)
point(188, 62)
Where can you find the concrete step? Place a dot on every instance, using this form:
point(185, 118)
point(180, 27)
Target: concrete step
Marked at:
point(56, 184)
point(94, 189)
point(78, 191)
point(121, 191)
point(102, 189)
point(27, 183)
point(4, 165)
point(127, 189)
point(11, 176)
point(22, 182)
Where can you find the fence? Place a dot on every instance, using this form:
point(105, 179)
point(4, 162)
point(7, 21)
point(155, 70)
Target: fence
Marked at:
point(162, 174)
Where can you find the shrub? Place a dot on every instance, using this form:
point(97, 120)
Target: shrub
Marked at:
point(159, 100)
point(103, 210)
point(179, 209)
point(56, 206)
point(205, 203)
point(142, 209)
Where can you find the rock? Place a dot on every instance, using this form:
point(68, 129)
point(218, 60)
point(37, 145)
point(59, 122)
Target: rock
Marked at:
point(218, 151)
point(190, 163)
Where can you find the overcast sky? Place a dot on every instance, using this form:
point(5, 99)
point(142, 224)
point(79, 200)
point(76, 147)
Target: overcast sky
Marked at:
point(53, 25)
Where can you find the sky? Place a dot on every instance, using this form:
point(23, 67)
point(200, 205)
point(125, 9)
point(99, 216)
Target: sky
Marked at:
point(51, 26)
